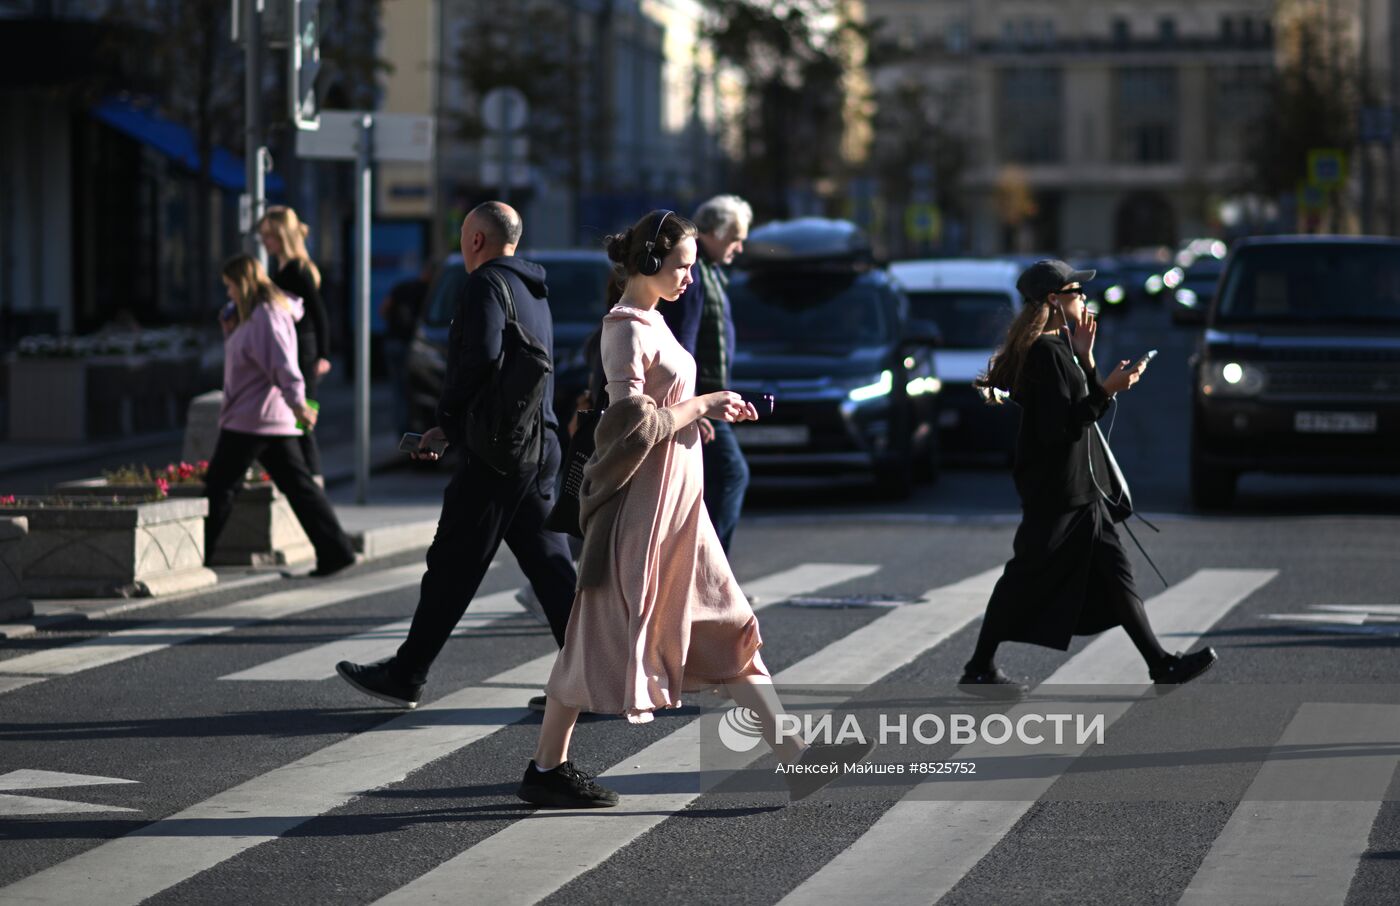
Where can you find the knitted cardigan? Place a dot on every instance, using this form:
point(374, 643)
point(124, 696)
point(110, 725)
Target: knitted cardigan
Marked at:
point(626, 433)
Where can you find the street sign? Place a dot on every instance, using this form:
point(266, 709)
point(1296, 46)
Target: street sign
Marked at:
point(923, 222)
point(303, 61)
point(1327, 167)
point(505, 110)
point(1377, 124)
point(404, 137)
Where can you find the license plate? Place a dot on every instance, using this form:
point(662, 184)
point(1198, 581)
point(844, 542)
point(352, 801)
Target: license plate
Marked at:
point(772, 435)
point(1335, 422)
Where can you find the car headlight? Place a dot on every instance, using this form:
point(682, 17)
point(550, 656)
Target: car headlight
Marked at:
point(1187, 297)
point(881, 386)
point(1232, 379)
point(921, 385)
point(1114, 295)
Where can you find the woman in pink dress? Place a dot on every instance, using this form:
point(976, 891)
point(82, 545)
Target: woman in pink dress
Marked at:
point(658, 611)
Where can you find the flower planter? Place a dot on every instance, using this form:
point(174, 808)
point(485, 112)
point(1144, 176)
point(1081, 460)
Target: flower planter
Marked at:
point(261, 531)
point(14, 603)
point(122, 547)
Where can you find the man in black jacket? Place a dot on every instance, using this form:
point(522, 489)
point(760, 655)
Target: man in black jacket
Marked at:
point(481, 508)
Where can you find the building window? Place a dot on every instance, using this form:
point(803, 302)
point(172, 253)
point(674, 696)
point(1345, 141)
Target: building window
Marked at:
point(1029, 103)
point(956, 37)
point(1166, 29)
point(1145, 115)
point(1227, 29)
point(1237, 95)
point(1120, 32)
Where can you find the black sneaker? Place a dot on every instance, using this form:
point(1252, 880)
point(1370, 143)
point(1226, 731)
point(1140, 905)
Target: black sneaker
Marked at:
point(1182, 668)
point(379, 681)
point(993, 684)
point(331, 567)
point(801, 784)
point(537, 704)
point(563, 787)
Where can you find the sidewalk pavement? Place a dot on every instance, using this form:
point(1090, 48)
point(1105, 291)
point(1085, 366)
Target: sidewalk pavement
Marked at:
point(387, 524)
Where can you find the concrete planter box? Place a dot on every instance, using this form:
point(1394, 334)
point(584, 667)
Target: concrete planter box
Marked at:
point(14, 603)
point(262, 530)
point(126, 548)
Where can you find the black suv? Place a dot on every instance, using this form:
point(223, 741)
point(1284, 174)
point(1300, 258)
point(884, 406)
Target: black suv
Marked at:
point(828, 333)
point(1298, 369)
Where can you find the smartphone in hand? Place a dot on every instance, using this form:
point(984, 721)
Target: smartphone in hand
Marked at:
point(409, 444)
point(762, 403)
point(1147, 359)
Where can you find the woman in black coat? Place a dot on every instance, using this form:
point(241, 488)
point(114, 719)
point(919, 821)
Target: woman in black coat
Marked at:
point(284, 236)
point(1069, 574)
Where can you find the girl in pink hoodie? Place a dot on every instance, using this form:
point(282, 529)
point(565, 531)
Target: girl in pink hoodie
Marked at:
point(264, 396)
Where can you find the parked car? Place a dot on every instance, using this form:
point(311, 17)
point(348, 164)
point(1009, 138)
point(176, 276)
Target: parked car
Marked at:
point(1298, 368)
point(972, 302)
point(577, 281)
point(830, 335)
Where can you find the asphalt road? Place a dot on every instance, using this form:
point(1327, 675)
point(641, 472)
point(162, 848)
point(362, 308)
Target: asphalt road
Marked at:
point(251, 774)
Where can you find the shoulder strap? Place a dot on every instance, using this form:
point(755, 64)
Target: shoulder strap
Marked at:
point(507, 295)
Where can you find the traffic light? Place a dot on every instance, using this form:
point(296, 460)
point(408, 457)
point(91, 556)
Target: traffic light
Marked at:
point(304, 60)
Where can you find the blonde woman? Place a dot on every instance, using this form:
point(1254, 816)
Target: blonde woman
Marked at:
point(264, 396)
point(284, 236)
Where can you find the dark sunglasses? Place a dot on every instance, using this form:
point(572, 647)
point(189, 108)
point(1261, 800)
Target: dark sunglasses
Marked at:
point(1080, 291)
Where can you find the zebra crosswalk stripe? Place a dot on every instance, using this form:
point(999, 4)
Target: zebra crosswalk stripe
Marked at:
point(154, 858)
point(920, 849)
point(536, 856)
point(1288, 843)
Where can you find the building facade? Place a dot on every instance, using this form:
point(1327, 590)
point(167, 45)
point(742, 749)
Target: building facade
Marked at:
point(1087, 125)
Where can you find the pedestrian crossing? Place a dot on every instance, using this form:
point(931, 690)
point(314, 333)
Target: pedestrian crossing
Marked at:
point(917, 850)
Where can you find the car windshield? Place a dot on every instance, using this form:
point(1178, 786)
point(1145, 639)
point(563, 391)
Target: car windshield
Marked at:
point(1300, 282)
point(966, 319)
point(577, 288)
point(810, 312)
point(443, 305)
point(1205, 271)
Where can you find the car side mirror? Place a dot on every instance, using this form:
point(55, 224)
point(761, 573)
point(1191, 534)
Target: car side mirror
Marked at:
point(1188, 316)
point(920, 332)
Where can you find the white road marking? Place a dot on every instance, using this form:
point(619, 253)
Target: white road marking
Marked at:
point(1289, 843)
point(128, 643)
point(920, 849)
point(318, 663)
point(31, 779)
point(534, 857)
point(164, 853)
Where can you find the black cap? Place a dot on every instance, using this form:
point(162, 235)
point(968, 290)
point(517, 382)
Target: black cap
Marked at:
point(1048, 276)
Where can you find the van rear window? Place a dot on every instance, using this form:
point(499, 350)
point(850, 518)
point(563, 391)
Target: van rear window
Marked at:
point(1304, 283)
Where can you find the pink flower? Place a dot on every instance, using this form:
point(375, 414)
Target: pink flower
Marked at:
point(186, 470)
point(7, 500)
point(163, 487)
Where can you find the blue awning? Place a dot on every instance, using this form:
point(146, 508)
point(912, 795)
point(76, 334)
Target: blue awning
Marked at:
point(176, 142)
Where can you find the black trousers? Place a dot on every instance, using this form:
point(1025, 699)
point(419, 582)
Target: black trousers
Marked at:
point(306, 361)
point(281, 457)
point(480, 509)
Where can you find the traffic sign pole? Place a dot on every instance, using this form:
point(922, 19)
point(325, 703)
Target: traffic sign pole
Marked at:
point(363, 194)
point(253, 150)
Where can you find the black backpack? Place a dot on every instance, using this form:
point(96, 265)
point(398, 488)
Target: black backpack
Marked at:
point(504, 426)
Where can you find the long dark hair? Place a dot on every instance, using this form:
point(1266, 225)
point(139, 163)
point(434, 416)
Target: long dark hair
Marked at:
point(1006, 364)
